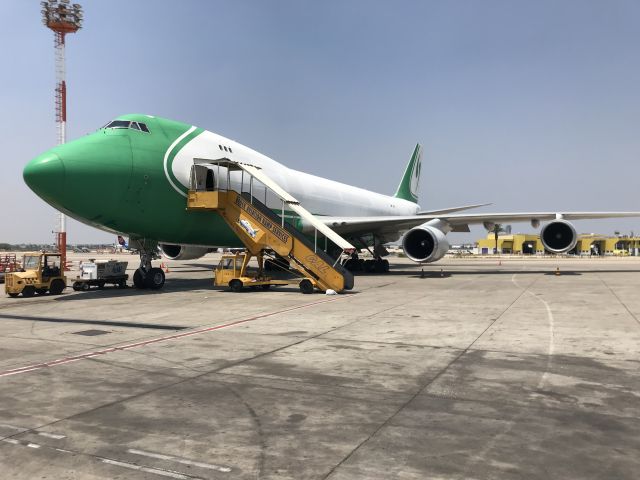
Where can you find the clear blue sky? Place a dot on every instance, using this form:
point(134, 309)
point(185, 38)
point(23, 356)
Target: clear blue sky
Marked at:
point(529, 105)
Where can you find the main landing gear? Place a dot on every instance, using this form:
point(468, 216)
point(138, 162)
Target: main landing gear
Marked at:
point(377, 265)
point(147, 276)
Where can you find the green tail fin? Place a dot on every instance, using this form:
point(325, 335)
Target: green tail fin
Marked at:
point(408, 188)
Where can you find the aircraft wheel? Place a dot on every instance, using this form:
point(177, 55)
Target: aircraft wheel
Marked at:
point(57, 286)
point(138, 279)
point(235, 285)
point(306, 286)
point(155, 279)
point(28, 291)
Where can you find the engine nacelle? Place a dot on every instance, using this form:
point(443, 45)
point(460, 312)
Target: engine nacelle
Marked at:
point(182, 252)
point(558, 236)
point(425, 244)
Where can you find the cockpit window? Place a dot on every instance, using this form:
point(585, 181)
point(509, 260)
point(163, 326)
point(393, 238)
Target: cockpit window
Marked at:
point(127, 124)
point(118, 124)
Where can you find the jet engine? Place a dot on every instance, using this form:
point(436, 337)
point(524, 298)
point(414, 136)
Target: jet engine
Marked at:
point(558, 236)
point(425, 244)
point(182, 252)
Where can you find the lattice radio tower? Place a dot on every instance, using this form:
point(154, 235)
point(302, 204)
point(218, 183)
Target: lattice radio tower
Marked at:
point(61, 17)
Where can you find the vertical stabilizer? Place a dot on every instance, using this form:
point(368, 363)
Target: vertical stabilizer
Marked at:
point(408, 188)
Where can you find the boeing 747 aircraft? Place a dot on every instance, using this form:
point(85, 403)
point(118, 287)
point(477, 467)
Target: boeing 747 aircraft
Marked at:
point(131, 177)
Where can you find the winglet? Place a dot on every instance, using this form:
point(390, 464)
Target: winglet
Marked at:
point(408, 188)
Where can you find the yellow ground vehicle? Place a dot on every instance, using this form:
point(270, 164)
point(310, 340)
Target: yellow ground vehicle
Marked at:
point(41, 273)
point(232, 272)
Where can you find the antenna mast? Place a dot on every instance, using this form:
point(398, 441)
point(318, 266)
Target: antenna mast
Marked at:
point(62, 18)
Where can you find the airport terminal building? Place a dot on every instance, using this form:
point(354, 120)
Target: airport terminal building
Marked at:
point(588, 244)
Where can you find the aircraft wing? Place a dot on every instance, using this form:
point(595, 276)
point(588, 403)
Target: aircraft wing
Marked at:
point(459, 222)
point(452, 209)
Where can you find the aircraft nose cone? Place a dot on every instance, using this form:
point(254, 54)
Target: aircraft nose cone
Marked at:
point(45, 176)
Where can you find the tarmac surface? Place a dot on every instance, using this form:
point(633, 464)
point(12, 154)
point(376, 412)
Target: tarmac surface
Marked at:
point(479, 371)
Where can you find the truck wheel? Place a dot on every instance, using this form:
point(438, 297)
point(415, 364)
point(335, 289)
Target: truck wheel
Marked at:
point(41, 291)
point(101, 285)
point(138, 279)
point(57, 286)
point(306, 286)
point(77, 286)
point(266, 286)
point(155, 279)
point(235, 285)
point(28, 291)
point(13, 295)
point(85, 286)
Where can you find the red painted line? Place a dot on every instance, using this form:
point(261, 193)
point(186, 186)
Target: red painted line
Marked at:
point(84, 356)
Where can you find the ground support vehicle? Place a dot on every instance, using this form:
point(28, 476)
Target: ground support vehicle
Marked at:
point(232, 272)
point(40, 273)
point(100, 273)
point(262, 230)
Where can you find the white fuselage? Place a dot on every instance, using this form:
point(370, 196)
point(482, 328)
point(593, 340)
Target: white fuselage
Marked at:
point(319, 195)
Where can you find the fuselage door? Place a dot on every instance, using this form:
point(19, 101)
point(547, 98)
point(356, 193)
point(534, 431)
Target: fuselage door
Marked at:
point(202, 178)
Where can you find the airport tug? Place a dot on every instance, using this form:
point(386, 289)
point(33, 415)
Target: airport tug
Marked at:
point(41, 273)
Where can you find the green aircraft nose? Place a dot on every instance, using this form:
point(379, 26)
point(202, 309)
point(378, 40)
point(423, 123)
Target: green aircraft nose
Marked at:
point(45, 175)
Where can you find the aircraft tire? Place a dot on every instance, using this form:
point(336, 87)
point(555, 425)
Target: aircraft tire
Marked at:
point(369, 266)
point(155, 279)
point(138, 279)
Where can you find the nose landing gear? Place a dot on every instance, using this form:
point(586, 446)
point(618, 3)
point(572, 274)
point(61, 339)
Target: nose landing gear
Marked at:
point(148, 276)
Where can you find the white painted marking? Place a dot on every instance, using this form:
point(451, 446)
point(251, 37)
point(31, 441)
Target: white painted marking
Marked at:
point(165, 473)
point(11, 440)
point(52, 435)
point(33, 445)
point(552, 346)
point(166, 158)
point(184, 461)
